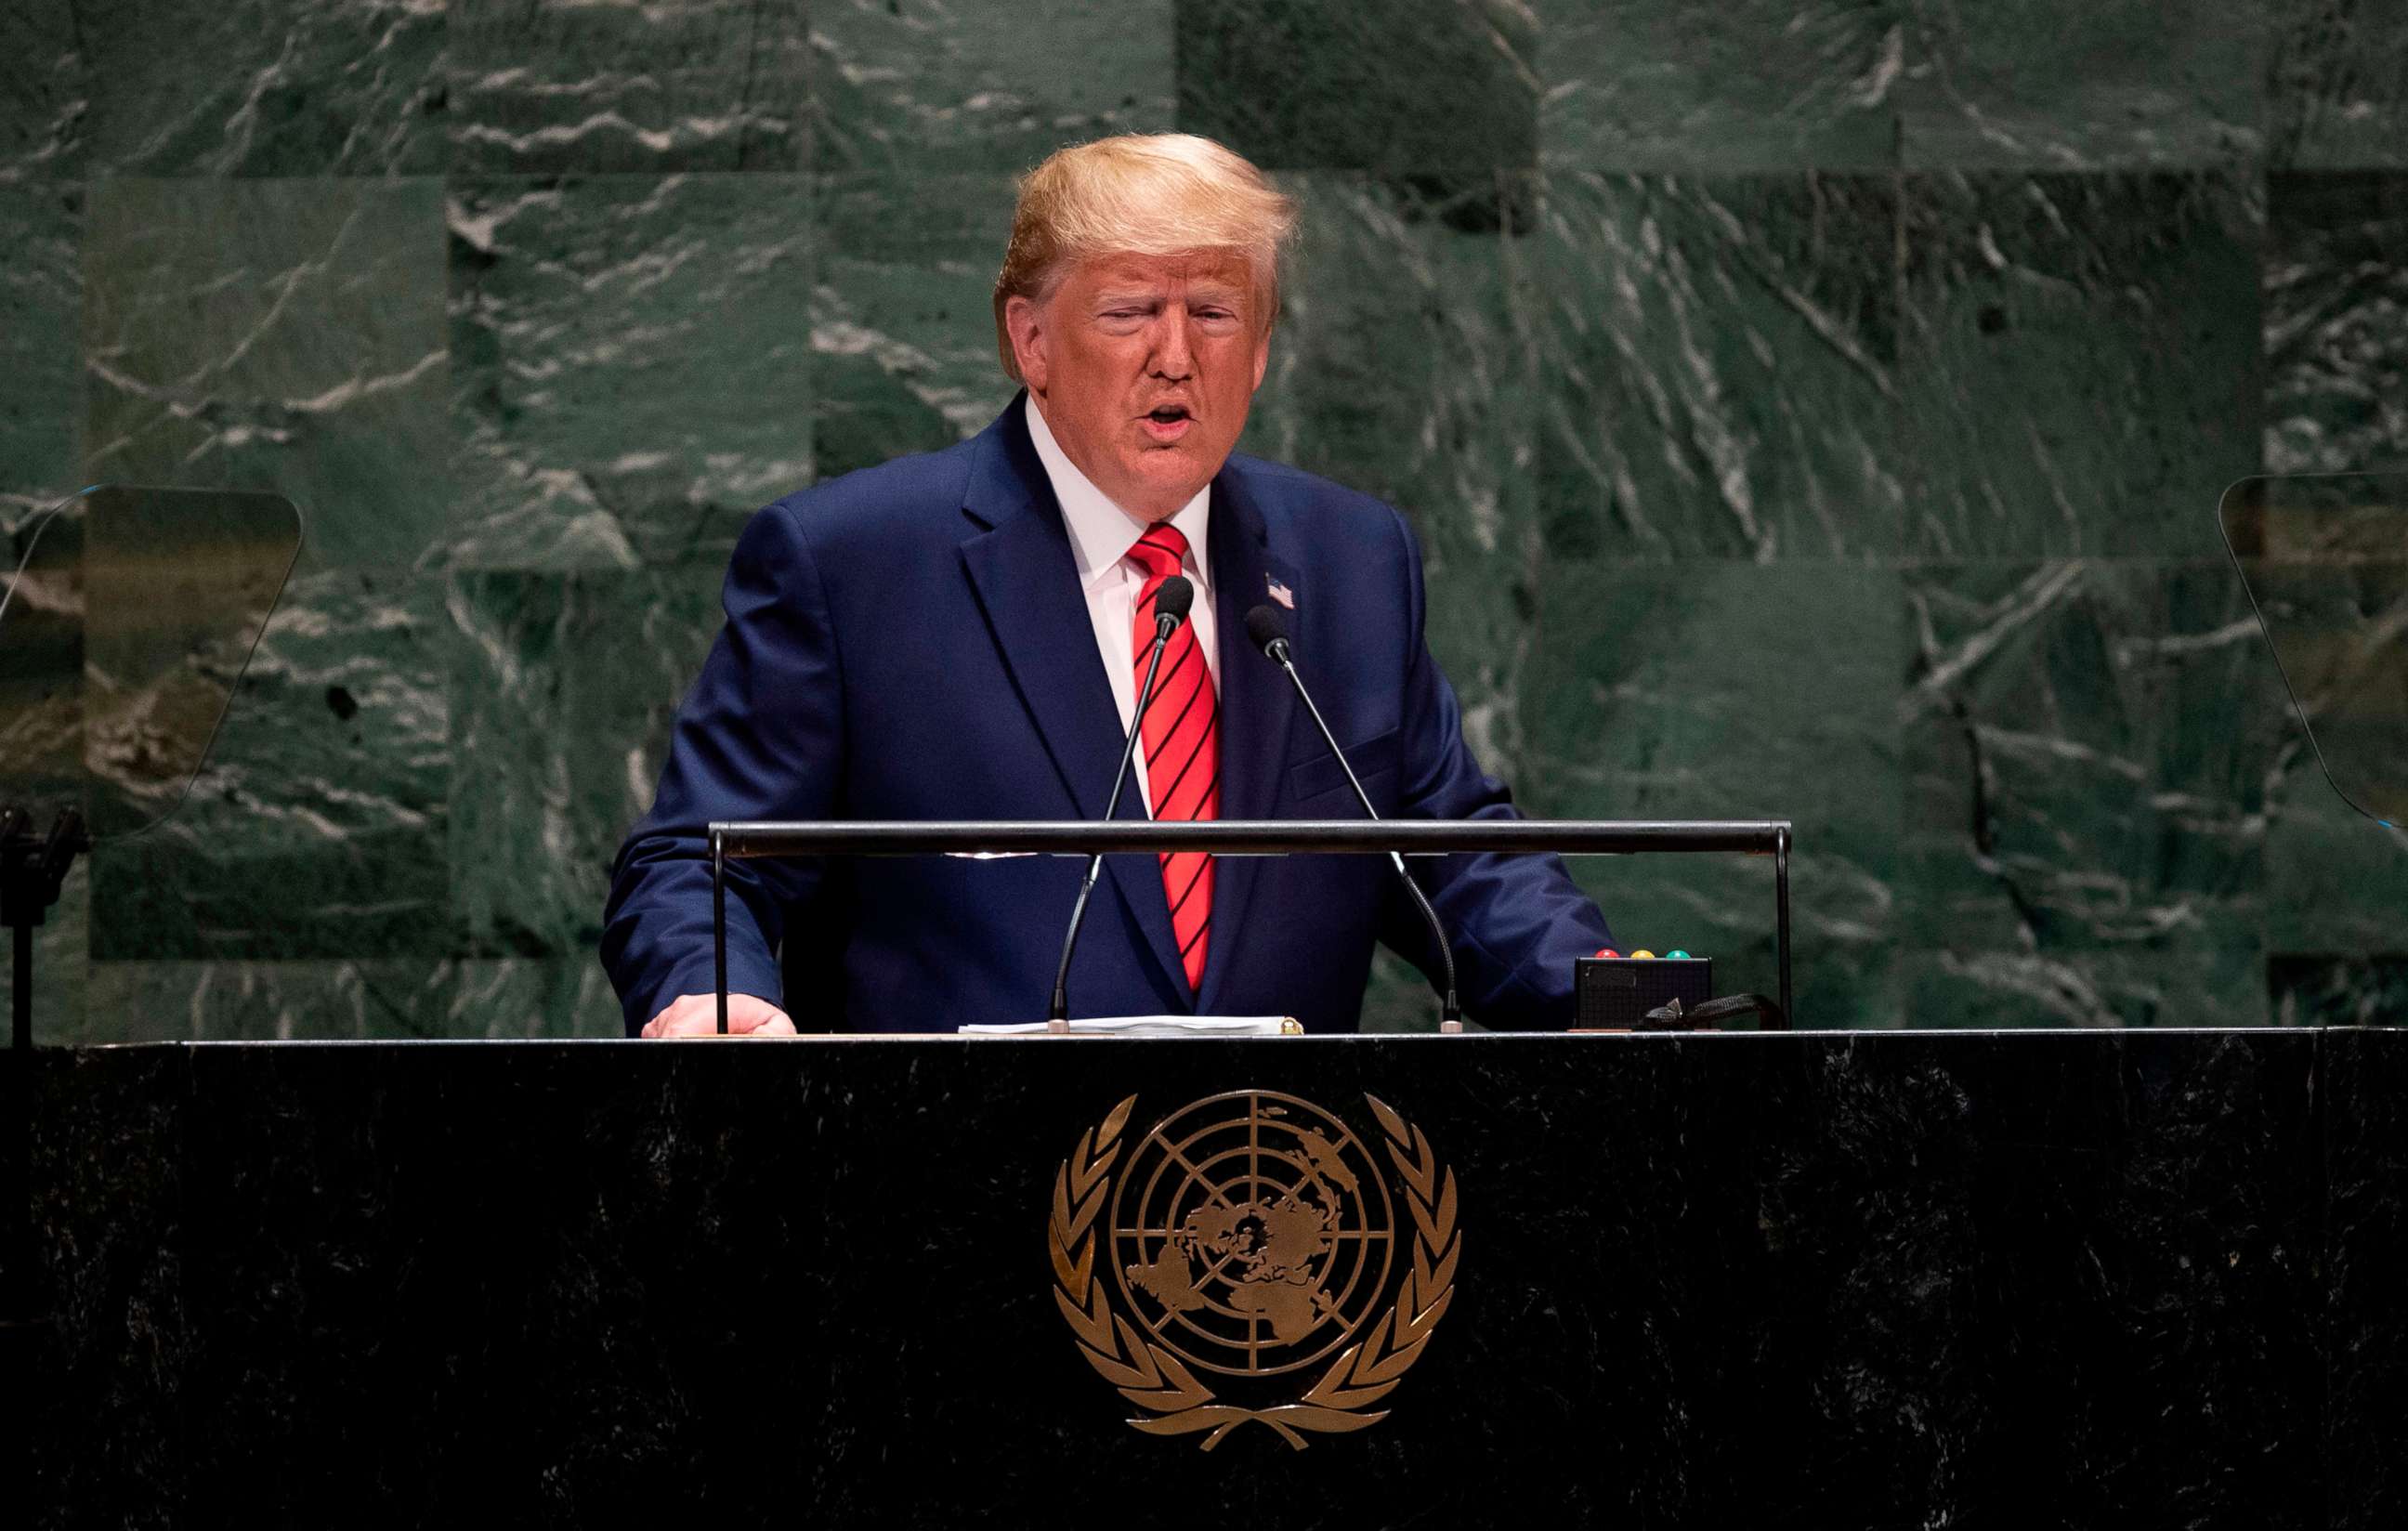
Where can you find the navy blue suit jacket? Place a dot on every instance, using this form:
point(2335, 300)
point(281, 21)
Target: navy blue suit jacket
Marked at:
point(912, 642)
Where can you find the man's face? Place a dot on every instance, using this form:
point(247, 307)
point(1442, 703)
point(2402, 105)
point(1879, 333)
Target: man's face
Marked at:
point(1144, 367)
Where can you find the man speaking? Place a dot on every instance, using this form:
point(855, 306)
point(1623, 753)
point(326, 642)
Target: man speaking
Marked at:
point(963, 635)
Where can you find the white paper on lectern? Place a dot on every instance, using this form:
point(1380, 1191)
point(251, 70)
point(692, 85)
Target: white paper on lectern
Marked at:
point(1156, 1025)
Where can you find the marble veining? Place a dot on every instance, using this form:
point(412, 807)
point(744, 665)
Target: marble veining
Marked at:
point(45, 98)
point(2084, 355)
point(279, 335)
point(265, 87)
point(561, 86)
point(2035, 85)
point(2336, 342)
point(1805, 406)
point(604, 414)
point(2339, 85)
point(316, 827)
point(2073, 856)
point(1754, 85)
point(564, 695)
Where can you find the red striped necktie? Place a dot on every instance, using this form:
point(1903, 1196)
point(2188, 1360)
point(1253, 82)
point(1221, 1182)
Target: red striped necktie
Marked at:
point(1182, 735)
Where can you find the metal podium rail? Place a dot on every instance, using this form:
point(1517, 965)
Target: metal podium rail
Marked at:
point(1248, 838)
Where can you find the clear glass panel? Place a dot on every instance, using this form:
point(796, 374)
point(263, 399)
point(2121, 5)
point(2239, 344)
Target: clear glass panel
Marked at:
point(2326, 561)
point(128, 623)
point(41, 660)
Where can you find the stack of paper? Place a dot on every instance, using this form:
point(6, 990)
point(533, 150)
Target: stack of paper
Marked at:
point(1156, 1025)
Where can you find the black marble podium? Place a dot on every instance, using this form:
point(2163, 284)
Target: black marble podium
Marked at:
point(2144, 1279)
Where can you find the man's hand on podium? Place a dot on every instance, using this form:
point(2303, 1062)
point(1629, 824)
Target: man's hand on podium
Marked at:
point(697, 1015)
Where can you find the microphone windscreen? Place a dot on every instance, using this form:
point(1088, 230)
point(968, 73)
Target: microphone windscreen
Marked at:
point(1264, 627)
point(1174, 597)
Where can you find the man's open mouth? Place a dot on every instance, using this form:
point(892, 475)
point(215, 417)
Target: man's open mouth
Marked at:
point(1168, 423)
point(1169, 414)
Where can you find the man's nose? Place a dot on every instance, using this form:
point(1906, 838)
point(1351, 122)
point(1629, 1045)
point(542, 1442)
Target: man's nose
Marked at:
point(1173, 359)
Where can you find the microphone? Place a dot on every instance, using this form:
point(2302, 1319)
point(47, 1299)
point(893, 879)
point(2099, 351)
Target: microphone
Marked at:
point(1172, 599)
point(1270, 634)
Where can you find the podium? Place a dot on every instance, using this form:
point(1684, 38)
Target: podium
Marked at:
point(2132, 1278)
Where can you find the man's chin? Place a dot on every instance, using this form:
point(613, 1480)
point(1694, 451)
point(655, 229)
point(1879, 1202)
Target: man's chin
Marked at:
point(1178, 469)
point(1199, 450)
point(1174, 489)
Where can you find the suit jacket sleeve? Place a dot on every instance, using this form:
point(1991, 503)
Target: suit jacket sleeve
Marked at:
point(1516, 922)
point(760, 736)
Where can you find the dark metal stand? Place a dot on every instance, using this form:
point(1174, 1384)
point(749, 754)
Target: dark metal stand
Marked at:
point(719, 922)
point(1780, 917)
point(32, 868)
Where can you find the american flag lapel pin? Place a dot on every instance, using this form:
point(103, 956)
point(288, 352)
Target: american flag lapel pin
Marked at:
point(1280, 592)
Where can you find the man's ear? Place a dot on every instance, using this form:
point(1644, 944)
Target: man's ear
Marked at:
point(1024, 321)
point(1262, 358)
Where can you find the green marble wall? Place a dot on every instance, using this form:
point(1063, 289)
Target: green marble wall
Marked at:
point(1811, 407)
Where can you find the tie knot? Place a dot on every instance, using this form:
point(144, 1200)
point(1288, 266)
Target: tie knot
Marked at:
point(1160, 552)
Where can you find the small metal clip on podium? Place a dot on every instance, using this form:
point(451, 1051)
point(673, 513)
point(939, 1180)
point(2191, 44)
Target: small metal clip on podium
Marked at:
point(1250, 838)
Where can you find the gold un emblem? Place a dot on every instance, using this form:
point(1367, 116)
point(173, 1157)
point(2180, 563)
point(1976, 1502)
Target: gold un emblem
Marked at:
point(1251, 1238)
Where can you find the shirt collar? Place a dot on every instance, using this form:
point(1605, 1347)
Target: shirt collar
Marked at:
point(1101, 532)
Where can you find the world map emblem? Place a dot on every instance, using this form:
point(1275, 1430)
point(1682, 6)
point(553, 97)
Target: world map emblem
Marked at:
point(1256, 1240)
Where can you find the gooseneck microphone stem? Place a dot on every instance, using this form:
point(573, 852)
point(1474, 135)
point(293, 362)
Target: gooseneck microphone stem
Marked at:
point(1165, 624)
point(1276, 649)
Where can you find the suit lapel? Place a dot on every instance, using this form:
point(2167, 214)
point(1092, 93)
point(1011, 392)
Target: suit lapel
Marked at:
point(1257, 707)
point(1027, 578)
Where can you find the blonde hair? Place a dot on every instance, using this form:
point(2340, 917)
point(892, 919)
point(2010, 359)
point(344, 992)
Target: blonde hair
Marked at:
point(1166, 194)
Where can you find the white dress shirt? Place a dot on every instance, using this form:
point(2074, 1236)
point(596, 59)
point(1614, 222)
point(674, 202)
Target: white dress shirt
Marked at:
point(1101, 535)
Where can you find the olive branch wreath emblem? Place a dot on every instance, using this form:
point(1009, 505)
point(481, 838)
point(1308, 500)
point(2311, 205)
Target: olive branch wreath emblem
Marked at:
point(1157, 1381)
